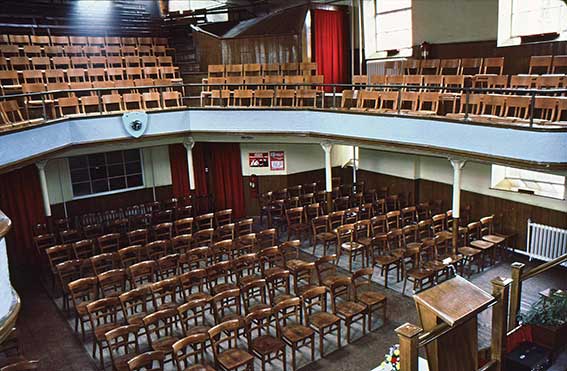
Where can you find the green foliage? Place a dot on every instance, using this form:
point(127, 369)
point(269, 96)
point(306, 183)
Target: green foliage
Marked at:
point(550, 311)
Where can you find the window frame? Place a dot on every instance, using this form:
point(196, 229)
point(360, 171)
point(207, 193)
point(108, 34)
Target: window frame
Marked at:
point(505, 21)
point(109, 192)
point(405, 51)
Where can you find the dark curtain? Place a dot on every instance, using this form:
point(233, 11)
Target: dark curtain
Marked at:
point(179, 171)
point(227, 177)
point(330, 37)
point(21, 200)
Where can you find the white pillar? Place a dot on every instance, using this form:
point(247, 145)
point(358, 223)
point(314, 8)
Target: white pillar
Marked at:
point(189, 143)
point(457, 170)
point(354, 165)
point(43, 182)
point(328, 147)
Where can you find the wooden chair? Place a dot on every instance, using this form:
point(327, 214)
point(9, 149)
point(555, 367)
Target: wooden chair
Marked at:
point(112, 282)
point(83, 291)
point(321, 233)
point(228, 356)
point(290, 253)
point(112, 103)
point(264, 98)
point(102, 262)
point(450, 66)
point(103, 317)
point(148, 361)
point(67, 272)
point(493, 65)
point(429, 67)
point(162, 331)
point(190, 353)
point(470, 66)
point(132, 101)
point(142, 274)
point(123, 346)
point(135, 305)
point(362, 293)
point(270, 69)
point(156, 249)
point(344, 307)
point(559, 64)
point(410, 66)
point(165, 294)
point(285, 98)
point(346, 243)
point(517, 108)
point(291, 329)
point(540, 64)
point(316, 316)
point(192, 315)
point(383, 258)
point(296, 225)
point(194, 279)
point(264, 345)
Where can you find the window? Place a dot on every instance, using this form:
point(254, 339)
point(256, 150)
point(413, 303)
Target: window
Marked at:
point(527, 181)
point(106, 172)
point(393, 24)
point(517, 18)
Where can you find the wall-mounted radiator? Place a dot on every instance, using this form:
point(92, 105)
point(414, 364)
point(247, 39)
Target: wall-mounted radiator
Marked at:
point(545, 242)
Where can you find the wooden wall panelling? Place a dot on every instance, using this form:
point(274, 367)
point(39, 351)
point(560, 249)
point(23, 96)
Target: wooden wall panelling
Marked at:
point(208, 49)
point(261, 49)
point(112, 201)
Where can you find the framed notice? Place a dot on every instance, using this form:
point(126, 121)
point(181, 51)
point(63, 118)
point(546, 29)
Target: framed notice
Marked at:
point(258, 159)
point(277, 160)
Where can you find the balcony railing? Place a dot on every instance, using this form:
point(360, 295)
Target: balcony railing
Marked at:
point(514, 108)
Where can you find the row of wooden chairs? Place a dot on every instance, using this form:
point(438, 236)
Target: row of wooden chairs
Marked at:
point(261, 82)
point(265, 98)
point(47, 63)
point(77, 50)
point(22, 40)
point(12, 117)
point(256, 69)
point(480, 107)
point(424, 82)
point(543, 64)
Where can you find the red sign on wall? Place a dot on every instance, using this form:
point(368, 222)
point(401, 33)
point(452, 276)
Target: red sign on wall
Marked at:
point(277, 160)
point(258, 159)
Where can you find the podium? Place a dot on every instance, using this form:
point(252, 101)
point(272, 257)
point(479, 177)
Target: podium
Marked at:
point(456, 303)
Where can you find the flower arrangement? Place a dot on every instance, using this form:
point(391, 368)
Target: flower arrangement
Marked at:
point(391, 359)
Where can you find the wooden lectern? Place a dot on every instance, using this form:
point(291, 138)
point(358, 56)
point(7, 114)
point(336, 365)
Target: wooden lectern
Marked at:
point(455, 302)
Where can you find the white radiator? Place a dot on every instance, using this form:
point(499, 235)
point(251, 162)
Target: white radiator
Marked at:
point(545, 242)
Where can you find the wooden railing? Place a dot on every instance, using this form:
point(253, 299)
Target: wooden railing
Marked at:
point(412, 337)
point(518, 277)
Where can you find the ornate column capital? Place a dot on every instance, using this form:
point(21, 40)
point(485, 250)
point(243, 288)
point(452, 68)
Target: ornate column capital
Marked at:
point(189, 143)
point(327, 146)
point(41, 165)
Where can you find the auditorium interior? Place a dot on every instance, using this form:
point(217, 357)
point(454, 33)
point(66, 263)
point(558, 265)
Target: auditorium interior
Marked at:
point(283, 184)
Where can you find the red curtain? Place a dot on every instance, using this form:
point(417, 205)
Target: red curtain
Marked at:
point(21, 200)
point(330, 46)
point(227, 177)
point(179, 170)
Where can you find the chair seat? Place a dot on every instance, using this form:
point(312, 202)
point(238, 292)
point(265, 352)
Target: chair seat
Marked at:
point(468, 251)
point(480, 244)
point(455, 258)
point(350, 308)
point(323, 319)
point(197, 330)
point(267, 344)
point(351, 246)
point(371, 298)
point(200, 367)
point(271, 271)
point(494, 239)
point(299, 226)
point(233, 358)
point(435, 266)
point(294, 264)
point(295, 333)
point(398, 252)
point(282, 297)
point(164, 344)
point(444, 234)
point(302, 289)
point(420, 273)
point(247, 279)
point(325, 236)
point(329, 280)
point(366, 241)
point(386, 259)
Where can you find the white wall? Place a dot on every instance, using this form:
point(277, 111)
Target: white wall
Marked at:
point(476, 177)
point(155, 162)
point(446, 21)
point(6, 296)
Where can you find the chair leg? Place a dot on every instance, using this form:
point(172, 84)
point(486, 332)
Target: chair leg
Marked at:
point(347, 323)
point(284, 360)
point(350, 262)
point(404, 288)
point(312, 347)
point(369, 309)
point(321, 343)
point(293, 357)
point(339, 335)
